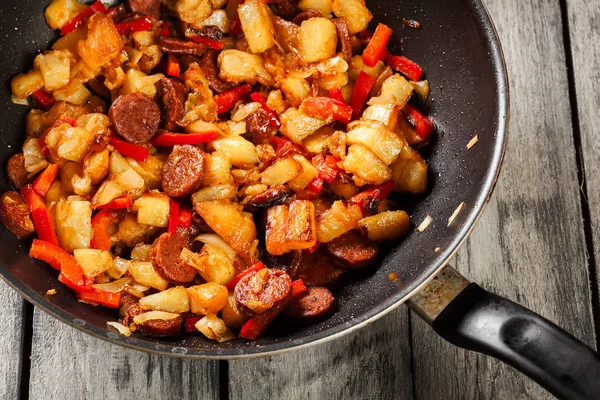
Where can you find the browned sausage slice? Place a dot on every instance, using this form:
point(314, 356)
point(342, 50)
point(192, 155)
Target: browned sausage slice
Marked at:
point(208, 63)
point(183, 171)
point(343, 34)
point(148, 7)
point(274, 196)
point(165, 258)
point(181, 46)
point(15, 215)
point(316, 302)
point(172, 95)
point(316, 269)
point(17, 175)
point(259, 127)
point(306, 14)
point(262, 290)
point(135, 117)
point(352, 250)
point(157, 327)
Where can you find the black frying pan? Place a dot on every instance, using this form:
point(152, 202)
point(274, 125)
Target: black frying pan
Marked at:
point(459, 50)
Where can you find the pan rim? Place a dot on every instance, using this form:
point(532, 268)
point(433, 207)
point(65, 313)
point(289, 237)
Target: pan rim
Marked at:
point(501, 77)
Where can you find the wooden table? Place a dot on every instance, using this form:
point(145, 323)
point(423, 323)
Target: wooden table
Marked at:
point(537, 243)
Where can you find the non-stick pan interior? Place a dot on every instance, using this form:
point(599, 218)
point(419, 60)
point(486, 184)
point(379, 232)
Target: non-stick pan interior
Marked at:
point(458, 49)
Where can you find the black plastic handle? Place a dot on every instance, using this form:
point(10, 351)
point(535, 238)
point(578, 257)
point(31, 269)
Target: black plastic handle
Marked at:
point(484, 322)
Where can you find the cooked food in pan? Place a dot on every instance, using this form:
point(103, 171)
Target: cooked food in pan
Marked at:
point(209, 166)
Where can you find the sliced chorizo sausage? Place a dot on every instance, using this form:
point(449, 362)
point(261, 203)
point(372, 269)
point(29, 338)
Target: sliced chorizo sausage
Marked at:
point(165, 258)
point(183, 171)
point(17, 175)
point(274, 196)
point(148, 7)
point(352, 250)
point(15, 215)
point(316, 269)
point(171, 94)
point(262, 290)
point(306, 14)
point(135, 117)
point(181, 46)
point(259, 127)
point(208, 63)
point(343, 34)
point(316, 302)
point(156, 327)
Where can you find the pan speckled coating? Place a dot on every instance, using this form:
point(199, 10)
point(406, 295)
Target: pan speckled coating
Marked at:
point(459, 51)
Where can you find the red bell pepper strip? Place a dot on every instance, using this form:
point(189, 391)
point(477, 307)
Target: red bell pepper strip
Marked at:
point(165, 31)
point(226, 100)
point(172, 139)
point(116, 11)
point(256, 267)
point(337, 95)
point(43, 99)
point(423, 126)
point(326, 166)
point(213, 44)
point(101, 223)
point(284, 146)
point(99, 297)
point(185, 216)
point(173, 215)
point(377, 45)
point(363, 86)
point(384, 57)
point(236, 26)
point(134, 25)
point(139, 153)
point(173, 65)
point(117, 204)
point(327, 107)
point(407, 67)
point(273, 119)
point(40, 215)
point(190, 324)
point(70, 272)
point(298, 287)
point(369, 199)
point(143, 23)
point(42, 183)
point(312, 190)
point(82, 17)
point(256, 325)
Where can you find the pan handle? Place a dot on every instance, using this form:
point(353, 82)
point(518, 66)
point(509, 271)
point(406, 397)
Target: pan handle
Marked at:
point(472, 318)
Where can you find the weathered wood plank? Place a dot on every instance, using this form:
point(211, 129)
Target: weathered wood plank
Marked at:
point(373, 363)
point(11, 332)
point(68, 364)
point(584, 28)
point(529, 246)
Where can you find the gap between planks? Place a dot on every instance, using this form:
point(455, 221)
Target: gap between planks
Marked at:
point(26, 350)
point(579, 159)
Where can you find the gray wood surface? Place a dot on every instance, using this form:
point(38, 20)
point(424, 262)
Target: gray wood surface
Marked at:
point(584, 28)
point(69, 365)
point(529, 246)
point(11, 314)
point(373, 363)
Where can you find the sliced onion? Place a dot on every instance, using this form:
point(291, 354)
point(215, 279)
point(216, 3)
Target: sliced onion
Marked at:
point(119, 267)
point(421, 88)
point(139, 287)
point(217, 241)
point(154, 316)
point(200, 126)
point(113, 287)
point(35, 160)
point(123, 330)
point(133, 291)
point(22, 102)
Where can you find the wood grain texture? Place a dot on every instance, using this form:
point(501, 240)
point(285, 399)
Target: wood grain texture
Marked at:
point(373, 363)
point(529, 246)
point(584, 28)
point(11, 315)
point(68, 364)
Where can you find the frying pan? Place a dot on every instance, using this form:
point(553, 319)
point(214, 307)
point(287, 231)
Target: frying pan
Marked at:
point(460, 52)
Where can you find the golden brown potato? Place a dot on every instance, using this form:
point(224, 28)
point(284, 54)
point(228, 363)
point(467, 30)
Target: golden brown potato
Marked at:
point(231, 314)
point(93, 262)
point(240, 152)
point(238, 66)
point(193, 12)
point(291, 227)
point(103, 43)
point(257, 26)
point(144, 274)
point(337, 220)
point(378, 138)
point(131, 232)
point(235, 226)
point(153, 209)
point(217, 169)
point(23, 85)
point(282, 171)
point(395, 90)
point(173, 300)
point(318, 39)
point(55, 67)
point(95, 166)
point(212, 264)
point(307, 174)
point(59, 12)
point(356, 14)
point(388, 225)
point(366, 166)
point(297, 126)
point(73, 220)
point(409, 172)
point(208, 298)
